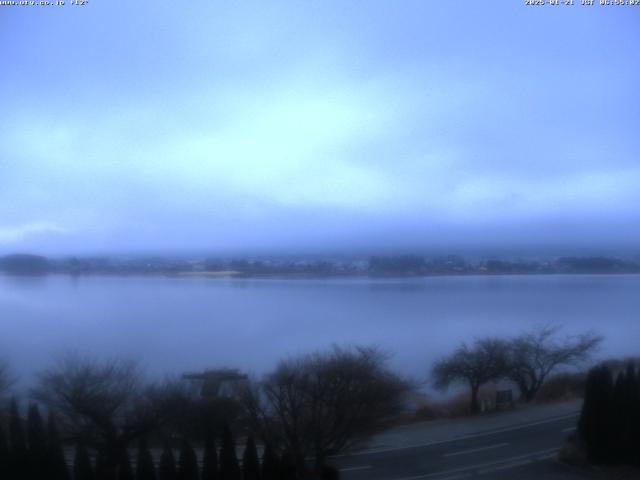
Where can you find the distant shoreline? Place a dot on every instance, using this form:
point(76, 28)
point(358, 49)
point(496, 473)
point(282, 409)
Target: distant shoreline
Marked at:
point(307, 276)
point(304, 276)
point(402, 266)
point(207, 273)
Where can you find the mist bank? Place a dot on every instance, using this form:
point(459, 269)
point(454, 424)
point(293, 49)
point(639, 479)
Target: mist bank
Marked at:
point(409, 265)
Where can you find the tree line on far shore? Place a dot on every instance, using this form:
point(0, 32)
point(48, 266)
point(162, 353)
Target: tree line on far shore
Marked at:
point(376, 266)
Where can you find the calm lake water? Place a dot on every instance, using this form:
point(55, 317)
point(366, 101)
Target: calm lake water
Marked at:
point(180, 324)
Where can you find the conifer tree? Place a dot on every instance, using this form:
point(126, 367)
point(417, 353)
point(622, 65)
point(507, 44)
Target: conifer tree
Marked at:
point(210, 458)
point(250, 462)
point(632, 409)
point(167, 469)
point(593, 426)
point(107, 464)
point(57, 462)
point(145, 468)
point(330, 473)
point(229, 468)
point(187, 463)
point(125, 472)
point(35, 431)
point(101, 469)
point(631, 451)
point(270, 464)
point(37, 440)
point(4, 455)
point(82, 468)
point(619, 418)
point(287, 466)
point(16, 430)
point(18, 461)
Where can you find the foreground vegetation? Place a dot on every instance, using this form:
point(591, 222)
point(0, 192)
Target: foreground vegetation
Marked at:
point(307, 409)
point(609, 426)
point(526, 361)
point(40, 455)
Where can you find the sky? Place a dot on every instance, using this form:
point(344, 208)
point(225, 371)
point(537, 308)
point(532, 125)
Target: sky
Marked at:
point(318, 125)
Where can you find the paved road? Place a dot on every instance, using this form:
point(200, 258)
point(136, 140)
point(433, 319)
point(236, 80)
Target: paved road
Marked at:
point(481, 455)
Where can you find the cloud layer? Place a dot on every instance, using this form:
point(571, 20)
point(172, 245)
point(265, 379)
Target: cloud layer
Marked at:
point(324, 125)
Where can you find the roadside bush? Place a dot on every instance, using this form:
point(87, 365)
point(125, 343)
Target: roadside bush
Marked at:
point(187, 463)
point(250, 462)
point(564, 386)
point(82, 468)
point(456, 406)
point(210, 459)
point(609, 425)
point(429, 412)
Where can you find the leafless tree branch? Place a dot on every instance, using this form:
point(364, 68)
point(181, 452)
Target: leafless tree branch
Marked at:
point(536, 354)
point(323, 403)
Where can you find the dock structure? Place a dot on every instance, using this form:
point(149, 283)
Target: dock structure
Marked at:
point(218, 383)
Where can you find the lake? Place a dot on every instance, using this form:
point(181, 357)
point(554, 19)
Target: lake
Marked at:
point(173, 325)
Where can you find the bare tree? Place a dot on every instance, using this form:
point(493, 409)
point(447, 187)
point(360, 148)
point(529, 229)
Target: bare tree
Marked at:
point(186, 412)
point(484, 361)
point(321, 404)
point(99, 402)
point(536, 354)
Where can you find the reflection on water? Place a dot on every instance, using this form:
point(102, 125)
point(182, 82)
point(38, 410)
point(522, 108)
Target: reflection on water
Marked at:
point(173, 324)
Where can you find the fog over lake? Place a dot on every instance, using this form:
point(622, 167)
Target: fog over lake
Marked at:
point(172, 325)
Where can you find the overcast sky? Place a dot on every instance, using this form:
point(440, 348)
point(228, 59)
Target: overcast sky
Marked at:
point(239, 125)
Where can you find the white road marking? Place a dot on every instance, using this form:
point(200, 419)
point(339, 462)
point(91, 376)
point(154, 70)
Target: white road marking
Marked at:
point(506, 462)
point(568, 429)
point(548, 456)
point(473, 450)
point(506, 466)
point(351, 469)
point(456, 477)
point(373, 451)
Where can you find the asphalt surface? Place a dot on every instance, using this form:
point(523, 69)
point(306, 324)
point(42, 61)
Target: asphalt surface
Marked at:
point(518, 451)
